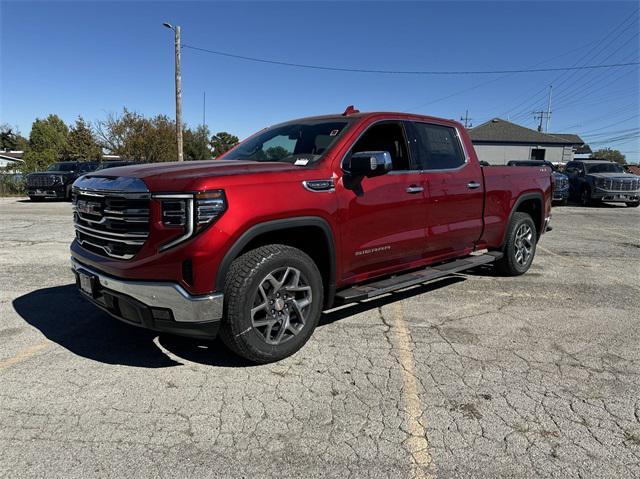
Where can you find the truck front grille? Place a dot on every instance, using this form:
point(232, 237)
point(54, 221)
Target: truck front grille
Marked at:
point(620, 184)
point(111, 224)
point(40, 181)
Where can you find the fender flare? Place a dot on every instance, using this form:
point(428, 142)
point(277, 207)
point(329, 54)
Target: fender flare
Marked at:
point(521, 199)
point(276, 225)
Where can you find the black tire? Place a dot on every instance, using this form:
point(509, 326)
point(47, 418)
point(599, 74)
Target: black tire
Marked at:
point(248, 288)
point(564, 202)
point(67, 193)
point(633, 204)
point(511, 264)
point(36, 198)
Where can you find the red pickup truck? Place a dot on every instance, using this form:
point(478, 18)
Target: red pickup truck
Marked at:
point(301, 216)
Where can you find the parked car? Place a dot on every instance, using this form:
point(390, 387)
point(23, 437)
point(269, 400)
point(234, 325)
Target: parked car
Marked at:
point(299, 217)
point(592, 181)
point(560, 180)
point(113, 164)
point(56, 181)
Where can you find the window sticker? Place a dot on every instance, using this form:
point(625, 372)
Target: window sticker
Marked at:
point(301, 162)
point(334, 132)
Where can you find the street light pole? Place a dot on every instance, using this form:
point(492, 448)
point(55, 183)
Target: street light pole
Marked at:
point(176, 30)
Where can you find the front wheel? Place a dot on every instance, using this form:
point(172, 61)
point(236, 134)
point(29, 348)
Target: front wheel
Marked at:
point(585, 197)
point(633, 204)
point(273, 302)
point(520, 245)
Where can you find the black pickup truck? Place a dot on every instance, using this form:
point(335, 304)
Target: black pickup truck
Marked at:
point(56, 181)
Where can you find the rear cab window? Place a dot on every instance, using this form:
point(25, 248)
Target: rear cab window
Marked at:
point(435, 147)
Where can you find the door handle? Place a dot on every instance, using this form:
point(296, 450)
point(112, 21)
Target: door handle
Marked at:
point(413, 189)
point(472, 185)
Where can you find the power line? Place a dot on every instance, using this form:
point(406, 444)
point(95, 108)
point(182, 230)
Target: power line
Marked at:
point(404, 72)
point(590, 53)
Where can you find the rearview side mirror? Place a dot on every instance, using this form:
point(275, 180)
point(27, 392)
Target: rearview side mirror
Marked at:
point(367, 164)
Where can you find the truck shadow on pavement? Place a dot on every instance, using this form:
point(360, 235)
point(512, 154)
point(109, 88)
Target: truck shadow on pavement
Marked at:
point(67, 319)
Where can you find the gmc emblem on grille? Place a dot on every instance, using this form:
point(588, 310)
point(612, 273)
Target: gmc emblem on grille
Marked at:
point(88, 207)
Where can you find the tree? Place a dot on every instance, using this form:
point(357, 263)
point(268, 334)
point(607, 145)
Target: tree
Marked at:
point(135, 137)
point(196, 144)
point(11, 139)
point(276, 153)
point(48, 141)
point(611, 155)
point(82, 143)
point(223, 141)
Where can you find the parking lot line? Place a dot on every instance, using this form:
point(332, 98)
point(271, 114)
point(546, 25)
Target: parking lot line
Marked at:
point(417, 444)
point(23, 355)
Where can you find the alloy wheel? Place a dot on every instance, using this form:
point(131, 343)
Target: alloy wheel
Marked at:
point(281, 304)
point(523, 244)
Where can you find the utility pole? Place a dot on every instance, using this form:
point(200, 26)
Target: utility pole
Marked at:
point(176, 31)
point(204, 108)
point(466, 119)
point(546, 128)
point(544, 115)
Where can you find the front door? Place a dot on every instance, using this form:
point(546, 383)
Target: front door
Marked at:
point(384, 220)
point(454, 190)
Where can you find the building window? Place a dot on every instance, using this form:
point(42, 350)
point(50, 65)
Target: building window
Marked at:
point(537, 154)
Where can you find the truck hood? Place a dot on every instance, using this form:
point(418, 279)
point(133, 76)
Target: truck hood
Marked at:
point(45, 173)
point(621, 176)
point(195, 169)
point(176, 176)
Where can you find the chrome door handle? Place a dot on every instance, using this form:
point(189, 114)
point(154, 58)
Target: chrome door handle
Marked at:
point(413, 189)
point(472, 185)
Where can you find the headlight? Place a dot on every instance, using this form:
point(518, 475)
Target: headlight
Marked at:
point(190, 212)
point(56, 179)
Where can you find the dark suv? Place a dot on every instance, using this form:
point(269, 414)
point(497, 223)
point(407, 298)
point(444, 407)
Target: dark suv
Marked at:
point(592, 181)
point(56, 181)
point(560, 180)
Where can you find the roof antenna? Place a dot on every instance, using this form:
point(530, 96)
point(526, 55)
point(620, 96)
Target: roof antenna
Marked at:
point(350, 111)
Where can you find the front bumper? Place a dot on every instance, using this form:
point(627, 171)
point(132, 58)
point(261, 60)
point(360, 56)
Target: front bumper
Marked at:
point(156, 305)
point(55, 191)
point(560, 195)
point(615, 196)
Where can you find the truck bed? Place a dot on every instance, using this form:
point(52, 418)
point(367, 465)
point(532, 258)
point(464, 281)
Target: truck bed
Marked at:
point(504, 185)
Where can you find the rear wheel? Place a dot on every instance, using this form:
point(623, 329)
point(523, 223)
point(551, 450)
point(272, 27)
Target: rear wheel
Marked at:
point(273, 301)
point(520, 245)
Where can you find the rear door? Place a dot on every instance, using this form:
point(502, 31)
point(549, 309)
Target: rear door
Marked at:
point(383, 223)
point(453, 186)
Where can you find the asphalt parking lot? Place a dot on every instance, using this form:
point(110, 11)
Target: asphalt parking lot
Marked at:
point(473, 376)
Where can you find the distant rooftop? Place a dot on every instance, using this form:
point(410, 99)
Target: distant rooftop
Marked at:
point(498, 130)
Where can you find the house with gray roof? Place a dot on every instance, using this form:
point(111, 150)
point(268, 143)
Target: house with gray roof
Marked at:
point(498, 141)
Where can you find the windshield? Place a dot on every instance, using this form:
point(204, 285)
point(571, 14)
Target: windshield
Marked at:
point(298, 143)
point(604, 168)
point(62, 167)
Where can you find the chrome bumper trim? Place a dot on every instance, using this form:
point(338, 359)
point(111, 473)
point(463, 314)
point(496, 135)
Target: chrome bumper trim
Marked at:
point(158, 294)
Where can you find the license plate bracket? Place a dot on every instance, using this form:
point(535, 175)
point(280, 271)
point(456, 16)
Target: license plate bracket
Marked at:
point(88, 283)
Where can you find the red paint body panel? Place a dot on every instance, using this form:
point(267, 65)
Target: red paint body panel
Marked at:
point(400, 230)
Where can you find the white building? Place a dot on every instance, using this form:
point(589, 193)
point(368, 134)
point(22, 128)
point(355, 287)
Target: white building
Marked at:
point(11, 159)
point(498, 141)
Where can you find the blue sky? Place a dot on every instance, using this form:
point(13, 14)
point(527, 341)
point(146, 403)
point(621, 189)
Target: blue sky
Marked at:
point(92, 58)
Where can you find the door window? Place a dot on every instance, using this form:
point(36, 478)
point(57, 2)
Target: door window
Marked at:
point(436, 147)
point(388, 136)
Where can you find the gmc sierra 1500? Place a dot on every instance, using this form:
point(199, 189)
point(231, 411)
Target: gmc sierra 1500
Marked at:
point(301, 216)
